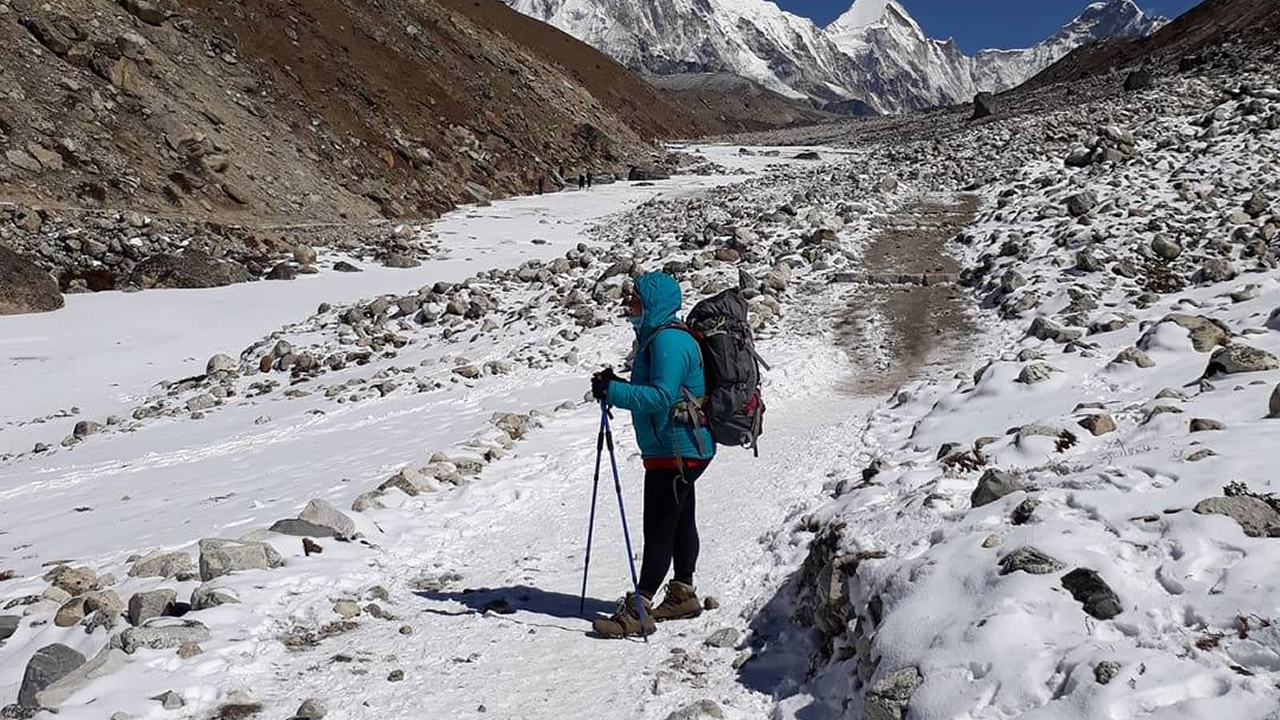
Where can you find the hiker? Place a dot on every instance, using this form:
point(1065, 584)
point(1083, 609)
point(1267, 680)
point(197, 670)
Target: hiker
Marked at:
point(582, 181)
point(667, 382)
point(542, 183)
point(589, 179)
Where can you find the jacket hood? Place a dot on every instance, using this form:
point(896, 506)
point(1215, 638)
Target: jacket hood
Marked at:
point(661, 299)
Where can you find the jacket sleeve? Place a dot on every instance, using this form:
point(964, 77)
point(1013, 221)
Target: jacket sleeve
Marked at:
point(669, 363)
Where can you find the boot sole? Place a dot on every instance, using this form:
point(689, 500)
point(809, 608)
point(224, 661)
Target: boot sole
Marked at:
point(687, 616)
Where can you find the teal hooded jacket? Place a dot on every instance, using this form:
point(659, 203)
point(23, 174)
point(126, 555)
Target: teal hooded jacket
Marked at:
point(667, 359)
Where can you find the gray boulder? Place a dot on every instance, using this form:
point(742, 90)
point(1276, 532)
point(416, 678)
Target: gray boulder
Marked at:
point(1029, 560)
point(698, 711)
point(104, 663)
point(163, 565)
point(161, 634)
point(984, 105)
point(207, 596)
point(993, 485)
point(1217, 270)
point(1256, 517)
point(220, 557)
point(1091, 591)
point(1081, 204)
point(1205, 333)
point(1240, 358)
point(188, 269)
point(50, 664)
point(151, 604)
point(8, 626)
point(25, 287)
point(890, 698)
point(1098, 424)
point(318, 519)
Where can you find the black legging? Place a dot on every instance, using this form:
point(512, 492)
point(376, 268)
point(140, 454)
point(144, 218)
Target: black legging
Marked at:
point(670, 527)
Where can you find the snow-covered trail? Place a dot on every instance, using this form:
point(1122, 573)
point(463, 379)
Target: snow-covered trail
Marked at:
point(519, 538)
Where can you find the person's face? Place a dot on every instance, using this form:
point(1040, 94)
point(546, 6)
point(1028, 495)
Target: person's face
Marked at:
point(631, 305)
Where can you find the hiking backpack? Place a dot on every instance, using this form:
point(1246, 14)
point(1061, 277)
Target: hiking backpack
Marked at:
point(733, 409)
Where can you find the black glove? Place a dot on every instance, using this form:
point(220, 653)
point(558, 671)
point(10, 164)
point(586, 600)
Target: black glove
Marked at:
point(600, 383)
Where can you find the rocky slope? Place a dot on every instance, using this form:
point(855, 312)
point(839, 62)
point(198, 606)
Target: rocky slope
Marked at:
point(195, 116)
point(736, 104)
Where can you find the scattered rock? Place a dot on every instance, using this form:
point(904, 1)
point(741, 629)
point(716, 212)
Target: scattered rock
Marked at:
point(1137, 80)
point(1106, 671)
point(1029, 560)
point(311, 709)
point(1081, 204)
point(107, 661)
point(318, 519)
point(1098, 424)
point(207, 596)
point(220, 557)
point(890, 698)
point(697, 711)
point(984, 106)
point(151, 604)
point(163, 565)
point(1206, 425)
point(1133, 356)
point(347, 608)
point(50, 664)
point(993, 485)
point(24, 287)
point(1256, 517)
point(723, 638)
point(1240, 358)
point(161, 634)
point(1089, 589)
point(170, 700)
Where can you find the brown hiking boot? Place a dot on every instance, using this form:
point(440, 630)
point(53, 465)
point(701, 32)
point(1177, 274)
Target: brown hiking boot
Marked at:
point(624, 622)
point(681, 603)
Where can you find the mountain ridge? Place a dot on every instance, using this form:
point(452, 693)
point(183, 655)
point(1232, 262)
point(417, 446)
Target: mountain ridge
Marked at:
point(875, 54)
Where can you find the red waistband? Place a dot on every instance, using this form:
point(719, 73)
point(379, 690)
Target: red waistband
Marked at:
point(672, 464)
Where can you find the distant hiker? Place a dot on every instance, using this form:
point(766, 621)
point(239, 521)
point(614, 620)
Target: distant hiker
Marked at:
point(589, 179)
point(667, 383)
point(582, 181)
point(542, 183)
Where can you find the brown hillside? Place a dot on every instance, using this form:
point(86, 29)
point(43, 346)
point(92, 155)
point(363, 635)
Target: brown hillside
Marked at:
point(1254, 23)
point(732, 103)
point(262, 110)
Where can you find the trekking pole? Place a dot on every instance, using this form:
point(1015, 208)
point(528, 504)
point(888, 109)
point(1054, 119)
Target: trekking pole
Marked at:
point(626, 534)
point(591, 526)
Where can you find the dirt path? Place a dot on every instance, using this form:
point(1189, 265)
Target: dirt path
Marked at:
point(904, 311)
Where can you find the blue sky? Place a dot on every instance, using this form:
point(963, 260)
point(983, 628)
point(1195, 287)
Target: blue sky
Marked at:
point(978, 24)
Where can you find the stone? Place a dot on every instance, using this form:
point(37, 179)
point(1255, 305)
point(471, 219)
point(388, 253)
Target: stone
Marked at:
point(1133, 356)
point(304, 255)
point(1081, 204)
point(411, 482)
point(984, 106)
point(993, 485)
point(1034, 373)
point(162, 634)
point(697, 711)
point(71, 612)
point(107, 661)
point(395, 675)
point(371, 500)
point(345, 267)
point(151, 604)
point(25, 287)
point(47, 666)
point(1205, 333)
point(22, 160)
point(1091, 591)
point(1257, 205)
point(311, 709)
point(189, 269)
point(144, 10)
point(1137, 80)
point(1165, 248)
point(188, 650)
point(75, 581)
point(163, 565)
point(207, 596)
point(318, 519)
point(722, 638)
point(1239, 358)
point(890, 698)
point(400, 261)
point(170, 700)
point(220, 557)
point(710, 602)
point(221, 364)
point(1029, 560)
point(1255, 516)
point(1273, 405)
point(282, 271)
point(1098, 424)
point(1217, 270)
point(1106, 671)
point(1206, 425)
point(201, 402)
point(347, 608)
point(8, 626)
